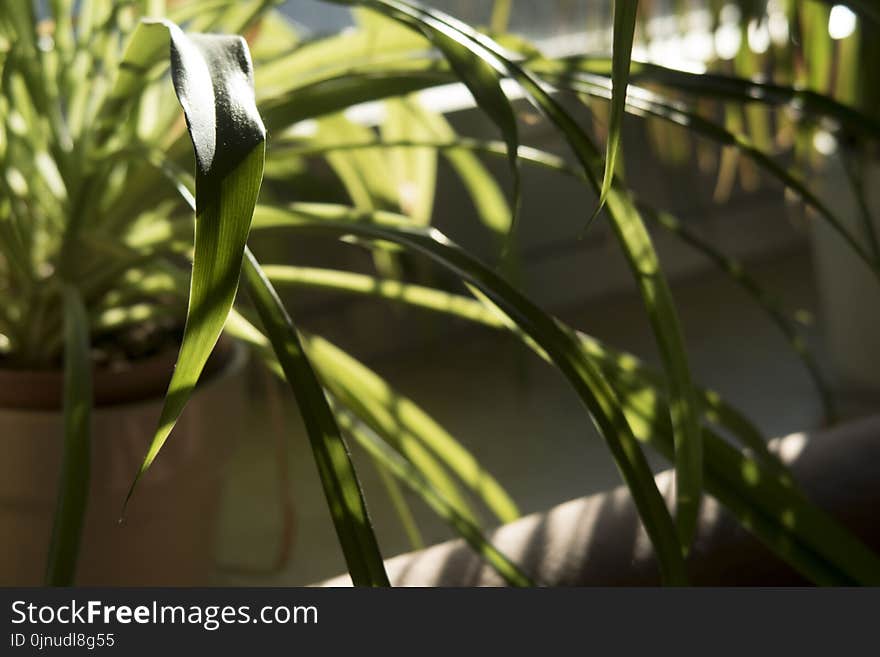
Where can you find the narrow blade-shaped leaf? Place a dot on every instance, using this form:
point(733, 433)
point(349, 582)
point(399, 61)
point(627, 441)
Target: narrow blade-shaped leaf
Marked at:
point(730, 266)
point(390, 458)
point(420, 438)
point(338, 476)
point(413, 171)
point(477, 67)
point(214, 83)
point(816, 545)
point(717, 86)
point(561, 345)
point(644, 102)
point(73, 489)
point(401, 421)
point(762, 500)
point(412, 477)
point(338, 93)
point(637, 246)
point(621, 55)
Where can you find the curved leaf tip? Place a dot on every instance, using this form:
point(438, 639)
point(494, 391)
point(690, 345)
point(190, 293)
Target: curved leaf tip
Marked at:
point(214, 82)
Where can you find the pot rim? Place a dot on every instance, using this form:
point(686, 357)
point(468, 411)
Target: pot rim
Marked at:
point(133, 382)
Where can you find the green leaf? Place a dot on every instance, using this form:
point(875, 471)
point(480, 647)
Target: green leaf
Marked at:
point(377, 42)
point(488, 199)
point(386, 454)
point(340, 92)
point(367, 395)
point(637, 247)
point(760, 492)
point(336, 471)
point(144, 56)
point(214, 83)
point(369, 385)
point(715, 86)
point(364, 174)
point(385, 288)
point(819, 547)
point(731, 475)
point(768, 303)
point(730, 266)
point(561, 345)
point(20, 20)
point(73, 488)
point(644, 102)
point(662, 314)
point(396, 417)
point(273, 36)
point(413, 478)
point(500, 19)
point(338, 476)
point(624, 29)
point(716, 410)
point(763, 501)
point(400, 505)
point(476, 66)
point(410, 430)
point(813, 542)
point(413, 171)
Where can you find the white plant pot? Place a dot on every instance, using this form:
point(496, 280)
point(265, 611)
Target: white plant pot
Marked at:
point(168, 535)
point(848, 291)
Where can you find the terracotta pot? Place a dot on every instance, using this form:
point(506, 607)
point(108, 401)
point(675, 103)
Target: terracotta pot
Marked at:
point(168, 535)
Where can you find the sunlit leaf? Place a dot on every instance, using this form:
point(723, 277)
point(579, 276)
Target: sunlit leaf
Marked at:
point(624, 29)
point(338, 476)
point(413, 478)
point(392, 459)
point(213, 80)
point(561, 345)
point(717, 86)
point(476, 66)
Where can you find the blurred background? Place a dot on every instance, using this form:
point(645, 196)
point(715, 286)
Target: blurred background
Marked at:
point(515, 413)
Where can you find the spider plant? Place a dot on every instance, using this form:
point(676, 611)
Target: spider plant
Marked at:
point(108, 234)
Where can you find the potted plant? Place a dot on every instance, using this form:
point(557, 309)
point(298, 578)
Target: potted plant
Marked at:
point(105, 224)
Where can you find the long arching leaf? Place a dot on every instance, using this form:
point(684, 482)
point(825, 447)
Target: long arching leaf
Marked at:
point(644, 102)
point(813, 542)
point(382, 449)
point(338, 476)
point(478, 68)
point(730, 266)
point(400, 420)
point(414, 479)
point(336, 471)
point(561, 345)
point(73, 488)
point(715, 409)
point(214, 83)
point(636, 244)
point(621, 54)
point(764, 502)
point(715, 86)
